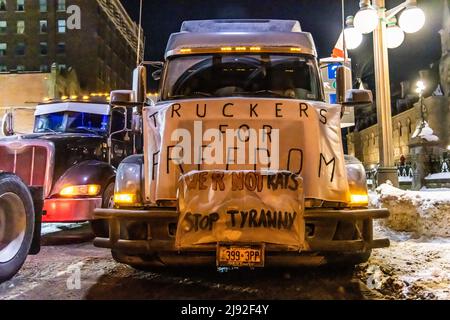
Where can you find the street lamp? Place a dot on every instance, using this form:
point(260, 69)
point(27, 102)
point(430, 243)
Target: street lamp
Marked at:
point(353, 36)
point(395, 35)
point(386, 34)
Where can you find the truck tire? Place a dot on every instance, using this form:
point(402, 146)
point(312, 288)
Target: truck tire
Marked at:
point(17, 220)
point(101, 227)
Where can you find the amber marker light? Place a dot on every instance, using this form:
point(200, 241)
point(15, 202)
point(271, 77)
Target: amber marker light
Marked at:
point(124, 198)
point(81, 190)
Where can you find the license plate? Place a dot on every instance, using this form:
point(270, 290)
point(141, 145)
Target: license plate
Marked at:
point(240, 256)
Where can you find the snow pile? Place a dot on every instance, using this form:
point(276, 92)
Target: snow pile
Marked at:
point(426, 213)
point(424, 131)
point(438, 176)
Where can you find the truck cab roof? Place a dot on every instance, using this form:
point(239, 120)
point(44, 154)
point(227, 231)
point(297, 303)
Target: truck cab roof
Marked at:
point(206, 36)
point(88, 107)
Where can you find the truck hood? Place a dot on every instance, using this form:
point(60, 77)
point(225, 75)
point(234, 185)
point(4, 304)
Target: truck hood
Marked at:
point(69, 148)
point(305, 138)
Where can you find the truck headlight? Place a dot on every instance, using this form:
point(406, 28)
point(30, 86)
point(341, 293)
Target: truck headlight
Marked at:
point(356, 176)
point(128, 188)
point(81, 190)
point(360, 199)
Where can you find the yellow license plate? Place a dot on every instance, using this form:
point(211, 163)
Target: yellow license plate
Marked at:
point(233, 256)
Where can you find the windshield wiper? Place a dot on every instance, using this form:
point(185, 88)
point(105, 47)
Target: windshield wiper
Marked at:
point(48, 130)
point(259, 92)
point(191, 95)
point(86, 129)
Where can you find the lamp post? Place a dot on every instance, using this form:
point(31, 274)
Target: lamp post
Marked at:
point(386, 34)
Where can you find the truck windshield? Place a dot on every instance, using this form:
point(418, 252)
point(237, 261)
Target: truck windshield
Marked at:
point(73, 122)
point(264, 75)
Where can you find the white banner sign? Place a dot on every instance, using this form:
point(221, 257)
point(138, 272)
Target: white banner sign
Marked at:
point(301, 137)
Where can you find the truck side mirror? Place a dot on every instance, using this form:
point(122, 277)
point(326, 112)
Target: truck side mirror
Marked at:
point(140, 84)
point(122, 98)
point(357, 97)
point(136, 124)
point(343, 82)
point(8, 124)
point(156, 75)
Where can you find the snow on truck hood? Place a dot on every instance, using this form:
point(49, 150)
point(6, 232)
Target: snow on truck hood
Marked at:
point(303, 137)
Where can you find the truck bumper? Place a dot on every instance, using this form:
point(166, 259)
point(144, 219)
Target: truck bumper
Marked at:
point(70, 210)
point(153, 233)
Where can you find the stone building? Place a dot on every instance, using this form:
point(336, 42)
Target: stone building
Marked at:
point(42, 55)
point(55, 83)
point(364, 144)
point(34, 34)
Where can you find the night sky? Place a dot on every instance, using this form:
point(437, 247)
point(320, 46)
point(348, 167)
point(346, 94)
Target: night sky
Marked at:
point(320, 17)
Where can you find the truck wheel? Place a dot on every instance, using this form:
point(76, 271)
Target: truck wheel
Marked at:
point(101, 227)
point(16, 225)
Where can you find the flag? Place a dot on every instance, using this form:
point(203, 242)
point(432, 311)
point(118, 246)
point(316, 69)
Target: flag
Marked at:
point(338, 50)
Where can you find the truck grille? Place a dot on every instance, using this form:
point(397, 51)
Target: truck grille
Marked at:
point(31, 160)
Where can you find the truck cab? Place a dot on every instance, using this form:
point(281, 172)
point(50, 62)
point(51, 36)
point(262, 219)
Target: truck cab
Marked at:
point(243, 162)
point(72, 154)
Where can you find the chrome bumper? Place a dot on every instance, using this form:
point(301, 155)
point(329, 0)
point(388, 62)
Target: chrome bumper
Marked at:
point(159, 222)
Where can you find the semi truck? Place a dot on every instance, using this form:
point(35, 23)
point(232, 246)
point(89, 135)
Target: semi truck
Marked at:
point(60, 172)
point(243, 162)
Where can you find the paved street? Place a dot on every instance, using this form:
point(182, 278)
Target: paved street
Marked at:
point(46, 275)
point(412, 268)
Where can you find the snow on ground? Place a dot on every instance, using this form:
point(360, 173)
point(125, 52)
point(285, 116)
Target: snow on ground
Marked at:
point(425, 213)
point(48, 228)
point(417, 263)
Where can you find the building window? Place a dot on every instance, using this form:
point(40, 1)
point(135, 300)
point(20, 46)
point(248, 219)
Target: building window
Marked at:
point(2, 5)
point(20, 67)
point(61, 48)
point(3, 47)
point(3, 26)
point(43, 48)
point(44, 68)
point(20, 5)
point(3, 68)
point(61, 5)
point(43, 5)
point(62, 67)
point(61, 26)
point(20, 49)
point(43, 26)
point(20, 27)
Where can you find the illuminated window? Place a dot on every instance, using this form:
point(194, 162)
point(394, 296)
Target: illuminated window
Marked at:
point(20, 5)
point(61, 26)
point(61, 5)
point(2, 5)
point(44, 68)
point(3, 68)
point(43, 5)
point(3, 26)
point(20, 27)
point(3, 47)
point(43, 26)
point(20, 67)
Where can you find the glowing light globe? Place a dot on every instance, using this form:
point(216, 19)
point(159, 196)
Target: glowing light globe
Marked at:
point(353, 38)
point(366, 20)
point(395, 37)
point(412, 20)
